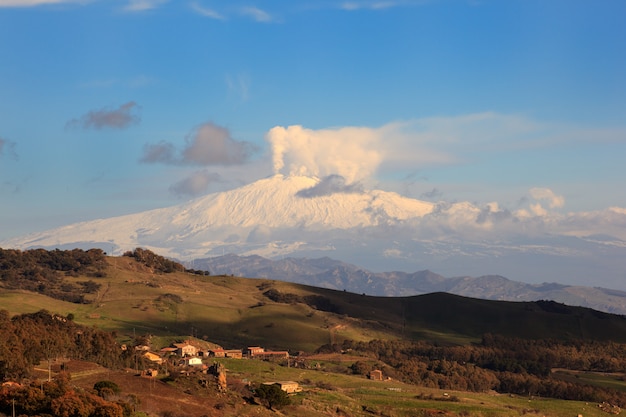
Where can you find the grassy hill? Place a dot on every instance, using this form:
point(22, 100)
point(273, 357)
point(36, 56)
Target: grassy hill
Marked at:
point(234, 312)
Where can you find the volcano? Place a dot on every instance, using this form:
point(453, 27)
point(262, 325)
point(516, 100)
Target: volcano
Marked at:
point(270, 212)
point(307, 217)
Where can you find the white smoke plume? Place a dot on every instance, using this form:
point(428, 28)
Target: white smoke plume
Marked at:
point(351, 152)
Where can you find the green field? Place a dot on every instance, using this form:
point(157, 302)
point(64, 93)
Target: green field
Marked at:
point(326, 392)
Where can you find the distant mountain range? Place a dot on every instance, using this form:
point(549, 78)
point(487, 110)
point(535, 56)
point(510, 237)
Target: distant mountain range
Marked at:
point(328, 273)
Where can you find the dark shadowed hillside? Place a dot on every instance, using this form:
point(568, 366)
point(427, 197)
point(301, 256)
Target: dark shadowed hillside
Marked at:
point(329, 273)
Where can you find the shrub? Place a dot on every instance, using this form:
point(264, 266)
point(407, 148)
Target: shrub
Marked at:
point(103, 387)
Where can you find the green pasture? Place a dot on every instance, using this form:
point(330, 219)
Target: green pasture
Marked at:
point(327, 392)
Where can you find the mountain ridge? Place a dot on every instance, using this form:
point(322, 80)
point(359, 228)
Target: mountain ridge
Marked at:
point(333, 274)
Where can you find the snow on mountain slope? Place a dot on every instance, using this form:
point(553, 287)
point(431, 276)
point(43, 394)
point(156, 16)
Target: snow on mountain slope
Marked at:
point(307, 217)
point(247, 213)
point(274, 202)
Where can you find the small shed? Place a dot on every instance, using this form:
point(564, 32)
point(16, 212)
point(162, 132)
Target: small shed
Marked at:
point(376, 375)
point(289, 387)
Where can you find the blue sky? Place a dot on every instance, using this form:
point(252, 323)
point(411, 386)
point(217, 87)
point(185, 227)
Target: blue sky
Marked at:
point(112, 107)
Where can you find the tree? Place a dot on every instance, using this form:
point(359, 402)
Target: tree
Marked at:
point(360, 368)
point(272, 396)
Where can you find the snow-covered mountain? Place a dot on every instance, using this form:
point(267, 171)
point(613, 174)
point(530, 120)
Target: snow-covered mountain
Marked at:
point(307, 217)
point(243, 216)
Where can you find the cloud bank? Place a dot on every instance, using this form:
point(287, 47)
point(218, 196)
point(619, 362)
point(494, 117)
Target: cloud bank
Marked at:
point(122, 117)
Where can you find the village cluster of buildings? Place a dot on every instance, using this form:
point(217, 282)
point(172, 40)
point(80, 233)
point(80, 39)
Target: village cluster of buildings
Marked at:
point(191, 355)
point(188, 356)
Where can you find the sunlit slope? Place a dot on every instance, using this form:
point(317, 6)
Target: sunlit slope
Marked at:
point(236, 312)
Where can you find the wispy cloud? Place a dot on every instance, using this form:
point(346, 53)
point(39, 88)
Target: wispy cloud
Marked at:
point(142, 5)
point(120, 118)
point(205, 11)
point(378, 5)
point(34, 3)
point(208, 144)
point(257, 14)
point(7, 148)
point(432, 194)
point(239, 85)
point(195, 184)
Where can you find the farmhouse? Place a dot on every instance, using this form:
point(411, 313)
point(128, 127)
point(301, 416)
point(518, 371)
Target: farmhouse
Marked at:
point(168, 351)
point(289, 387)
point(225, 353)
point(193, 361)
point(233, 353)
point(185, 349)
point(252, 351)
point(216, 353)
point(153, 357)
point(270, 354)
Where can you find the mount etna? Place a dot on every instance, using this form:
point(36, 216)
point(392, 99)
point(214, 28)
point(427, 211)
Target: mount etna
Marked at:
point(307, 217)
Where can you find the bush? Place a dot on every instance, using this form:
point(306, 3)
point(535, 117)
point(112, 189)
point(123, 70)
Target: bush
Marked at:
point(106, 387)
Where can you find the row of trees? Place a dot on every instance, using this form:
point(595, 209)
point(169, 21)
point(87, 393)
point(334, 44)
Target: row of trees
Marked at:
point(498, 363)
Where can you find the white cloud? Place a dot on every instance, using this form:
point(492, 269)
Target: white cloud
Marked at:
point(205, 11)
point(554, 201)
point(33, 3)
point(142, 5)
point(407, 146)
point(356, 153)
point(379, 5)
point(257, 14)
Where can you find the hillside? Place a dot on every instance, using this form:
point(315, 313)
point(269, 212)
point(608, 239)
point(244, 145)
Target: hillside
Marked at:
point(444, 354)
point(232, 311)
